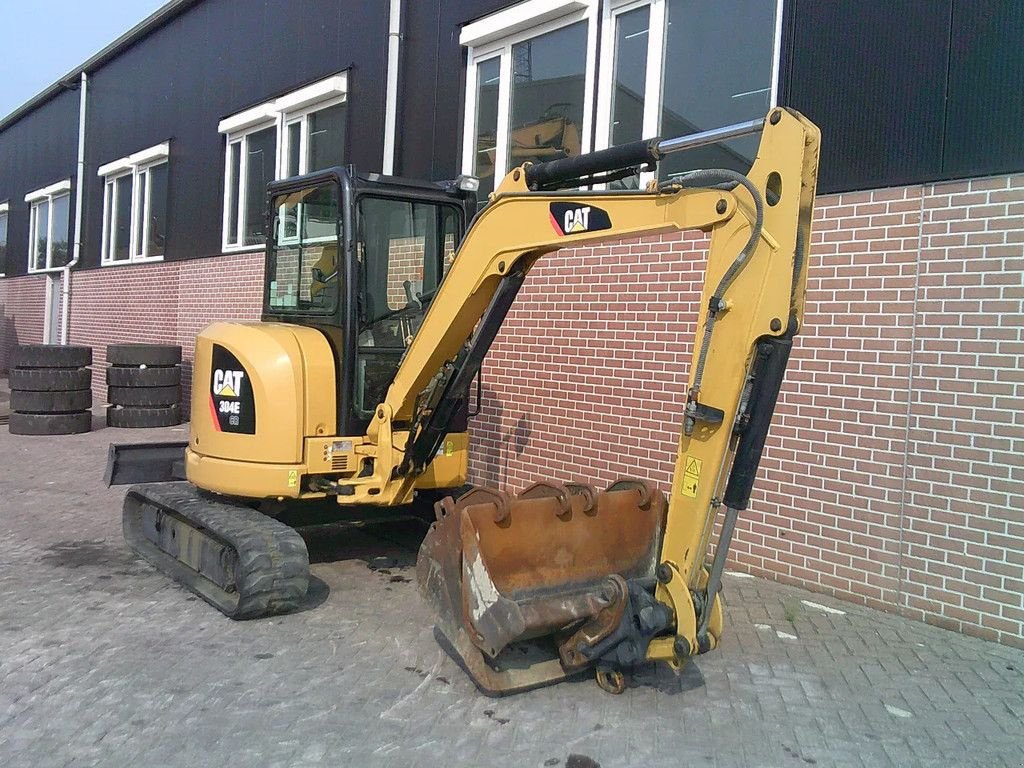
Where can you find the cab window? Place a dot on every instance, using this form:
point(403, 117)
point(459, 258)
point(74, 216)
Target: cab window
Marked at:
point(404, 248)
point(303, 268)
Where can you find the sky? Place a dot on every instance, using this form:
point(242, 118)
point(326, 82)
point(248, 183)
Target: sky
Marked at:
point(45, 39)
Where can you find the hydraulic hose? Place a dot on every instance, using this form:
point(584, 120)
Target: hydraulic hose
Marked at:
point(711, 177)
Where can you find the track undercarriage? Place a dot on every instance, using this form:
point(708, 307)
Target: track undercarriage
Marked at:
point(239, 560)
point(246, 561)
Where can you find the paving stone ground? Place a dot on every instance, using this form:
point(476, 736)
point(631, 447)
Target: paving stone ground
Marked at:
point(103, 662)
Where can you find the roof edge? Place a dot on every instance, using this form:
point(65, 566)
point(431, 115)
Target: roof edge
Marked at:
point(150, 24)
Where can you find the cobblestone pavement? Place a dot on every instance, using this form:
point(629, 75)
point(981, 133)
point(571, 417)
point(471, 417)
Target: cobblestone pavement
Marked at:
point(104, 662)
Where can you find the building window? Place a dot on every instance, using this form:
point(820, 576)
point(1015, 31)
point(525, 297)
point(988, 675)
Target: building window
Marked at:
point(655, 79)
point(530, 86)
point(251, 159)
point(664, 70)
point(3, 238)
point(135, 207)
point(301, 132)
point(49, 210)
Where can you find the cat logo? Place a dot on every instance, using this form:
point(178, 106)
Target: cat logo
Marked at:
point(574, 218)
point(227, 383)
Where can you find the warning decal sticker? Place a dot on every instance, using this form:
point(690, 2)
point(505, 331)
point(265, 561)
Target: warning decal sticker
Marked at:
point(691, 476)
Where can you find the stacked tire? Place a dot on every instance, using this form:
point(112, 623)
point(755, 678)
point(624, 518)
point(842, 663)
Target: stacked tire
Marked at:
point(143, 385)
point(50, 390)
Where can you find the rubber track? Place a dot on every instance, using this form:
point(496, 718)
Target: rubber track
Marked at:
point(27, 401)
point(148, 397)
point(125, 376)
point(50, 356)
point(143, 354)
point(132, 417)
point(49, 423)
point(272, 575)
point(50, 379)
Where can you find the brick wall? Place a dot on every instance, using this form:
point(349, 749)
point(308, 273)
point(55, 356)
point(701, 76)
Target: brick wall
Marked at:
point(22, 301)
point(892, 475)
point(148, 303)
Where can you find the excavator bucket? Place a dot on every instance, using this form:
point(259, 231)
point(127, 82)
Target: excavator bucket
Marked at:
point(521, 585)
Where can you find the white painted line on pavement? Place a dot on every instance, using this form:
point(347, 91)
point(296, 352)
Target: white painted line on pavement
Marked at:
point(825, 608)
point(897, 711)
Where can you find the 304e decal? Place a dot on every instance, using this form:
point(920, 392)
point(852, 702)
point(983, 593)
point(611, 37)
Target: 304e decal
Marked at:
point(573, 218)
point(232, 405)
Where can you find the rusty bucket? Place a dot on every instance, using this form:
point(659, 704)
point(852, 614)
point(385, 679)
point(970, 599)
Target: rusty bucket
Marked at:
point(518, 583)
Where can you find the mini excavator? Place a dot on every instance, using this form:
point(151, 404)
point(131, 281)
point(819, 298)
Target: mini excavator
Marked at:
point(352, 395)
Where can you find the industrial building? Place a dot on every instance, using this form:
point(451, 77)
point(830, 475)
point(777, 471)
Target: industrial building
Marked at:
point(131, 209)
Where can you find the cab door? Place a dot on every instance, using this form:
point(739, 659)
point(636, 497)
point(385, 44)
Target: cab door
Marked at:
point(404, 246)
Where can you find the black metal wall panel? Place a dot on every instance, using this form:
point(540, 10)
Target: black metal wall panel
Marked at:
point(35, 152)
point(877, 75)
point(434, 83)
point(872, 75)
point(213, 61)
point(985, 118)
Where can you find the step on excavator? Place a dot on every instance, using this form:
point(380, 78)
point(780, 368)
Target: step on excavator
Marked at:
point(351, 397)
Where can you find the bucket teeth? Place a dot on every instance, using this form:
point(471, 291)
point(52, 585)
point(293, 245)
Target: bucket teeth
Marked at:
point(548, 566)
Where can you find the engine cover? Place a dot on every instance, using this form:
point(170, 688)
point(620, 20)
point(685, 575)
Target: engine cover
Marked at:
point(258, 391)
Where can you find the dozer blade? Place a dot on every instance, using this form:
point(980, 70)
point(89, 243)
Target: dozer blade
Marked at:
point(242, 562)
point(521, 584)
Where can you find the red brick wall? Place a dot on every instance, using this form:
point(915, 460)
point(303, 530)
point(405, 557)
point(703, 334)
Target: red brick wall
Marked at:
point(161, 304)
point(22, 301)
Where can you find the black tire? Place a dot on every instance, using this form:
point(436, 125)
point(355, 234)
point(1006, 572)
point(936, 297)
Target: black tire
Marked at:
point(50, 379)
point(134, 418)
point(24, 401)
point(144, 396)
point(118, 376)
point(50, 423)
point(50, 356)
point(143, 354)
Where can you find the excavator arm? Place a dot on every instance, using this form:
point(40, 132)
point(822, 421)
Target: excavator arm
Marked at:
point(606, 580)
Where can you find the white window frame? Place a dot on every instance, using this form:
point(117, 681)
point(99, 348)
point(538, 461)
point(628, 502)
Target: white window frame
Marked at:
point(655, 68)
point(35, 199)
point(302, 118)
point(133, 166)
point(279, 113)
point(493, 37)
point(652, 78)
point(241, 139)
point(5, 210)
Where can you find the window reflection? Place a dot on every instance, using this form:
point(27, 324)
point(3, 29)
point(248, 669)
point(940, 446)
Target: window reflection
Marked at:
point(488, 78)
point(259, 170)
point(696, 97)
point(548, 90)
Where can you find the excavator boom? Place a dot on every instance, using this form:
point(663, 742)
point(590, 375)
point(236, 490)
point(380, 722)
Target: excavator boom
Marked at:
point(562, 578)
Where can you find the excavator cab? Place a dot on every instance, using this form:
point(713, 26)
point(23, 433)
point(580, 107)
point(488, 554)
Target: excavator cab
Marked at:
point(360, 258)
point(281, 407)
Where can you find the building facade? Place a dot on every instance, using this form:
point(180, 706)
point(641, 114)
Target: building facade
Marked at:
point(893, 474)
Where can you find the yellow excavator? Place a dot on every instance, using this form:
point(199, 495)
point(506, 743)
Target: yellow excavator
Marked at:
point(352, 395)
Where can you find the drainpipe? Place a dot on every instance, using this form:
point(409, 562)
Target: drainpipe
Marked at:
point(391, 94)
point(65, 318)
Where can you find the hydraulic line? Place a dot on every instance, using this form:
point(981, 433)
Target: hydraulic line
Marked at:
point(717, 176)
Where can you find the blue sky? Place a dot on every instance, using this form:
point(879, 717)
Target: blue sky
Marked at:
point(46, 38)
